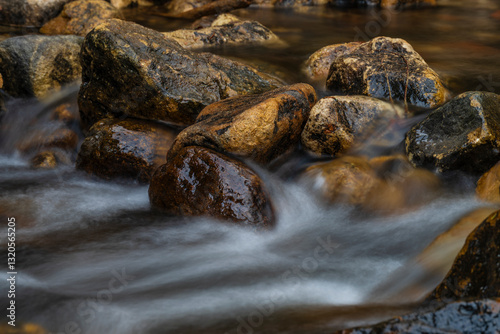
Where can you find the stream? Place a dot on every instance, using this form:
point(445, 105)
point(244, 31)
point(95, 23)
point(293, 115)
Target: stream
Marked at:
point(92, 257)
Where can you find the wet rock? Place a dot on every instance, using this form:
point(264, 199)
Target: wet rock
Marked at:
point(22, 328)
point(135, 71)
point(60, 137)
point(391, 4)
point(289, 3)
point(227, 29)
point(387, 68)
point(387, 187)
point(29, 13)
point(476, 271)
point(79, 17)
point(128, 149)
point(199, 181)
point(258, 127)
point(481, 316)
point(318, 64)
point(38, 65)
point(66, 113)
point(337, 123)
point(488, 186)
point(461, 135)
point(50, 159)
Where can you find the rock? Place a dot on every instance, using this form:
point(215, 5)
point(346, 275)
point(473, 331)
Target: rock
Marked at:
point(39, 65)
point(128, 149)
point(79, 17)
point(391, 4)
point(29, 13)
point(488, 186)
point(383, 188)
point(289, 3)
point(152, 77)
point(199, 181)
point(343, 180)
point(462, 135)
point(50, 159)
point(22, 328)
point(258, 127)
point(60, 137)
point(387, 68)
point(475, 274)
point(227, 29)
point(318, 64)
point(180, 6)
point(337, 123)
point(481, 316)
point(66, 113)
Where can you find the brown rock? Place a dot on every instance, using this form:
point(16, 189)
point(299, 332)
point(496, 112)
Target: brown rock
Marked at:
point(475, 273)
point(488, 186)
point(337, 123)
point(22, 328)
point(227, 29)
point(387, 68)
point(198, 181)
point(318, 64)
point(135, 71)
point(62, 138)
point(127, 148)
point(79, 17)
point(259, 127)
point(29, 13)
point(44, 160)
point(180, 6)
point(66, 113)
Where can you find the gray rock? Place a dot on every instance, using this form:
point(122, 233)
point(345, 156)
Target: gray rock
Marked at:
point(387, 68)
point(337, 123)
point(38, 65)
point(131, 70)
point(464, 134)
point(29, 13)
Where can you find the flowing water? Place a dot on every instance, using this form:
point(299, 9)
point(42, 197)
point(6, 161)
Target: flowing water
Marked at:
point(93, 258)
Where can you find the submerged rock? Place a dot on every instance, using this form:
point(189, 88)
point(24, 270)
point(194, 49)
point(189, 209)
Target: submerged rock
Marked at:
point(79, 17)
point(387, 68)
point(60, 137)
point(38, 65)
point(488, 186)
point(462, 135)
point(227, 29)
point(29, 13)
point(199, 181)
point(131, 70)
point(50, 159)
point(258, 127)
point(318, 64)
point(337, 123)
point(481, 316)
point(128, 149)
point(476, 271)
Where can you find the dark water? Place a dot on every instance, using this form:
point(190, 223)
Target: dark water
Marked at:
point(92, 256)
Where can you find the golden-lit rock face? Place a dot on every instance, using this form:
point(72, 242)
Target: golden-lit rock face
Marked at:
point(131, 70)
point(258, 127)
point(44, 160)
point(36, 65)
point(128, 149)
point(476, 271)
point(387, 68)
point(29, 13)
point(201, 182)
point(337, 123)
point(227, 29)
point(22, 328)
point(488, 186)
point(318, 64)
point(79, 17)
point(464, 134)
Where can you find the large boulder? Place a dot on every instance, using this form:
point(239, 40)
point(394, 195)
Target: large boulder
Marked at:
point(476, 271)
point(38, 65)
point(127, 149)
point(488, 186)
point(258, 127)
point(227, 29)
point(337, 123)
point(482, 316)
point(387, 68)
point(131, 70)
point(199, 181)
point(462, 135)
point(79, 17)
point(318, 64)
point(29, 13)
